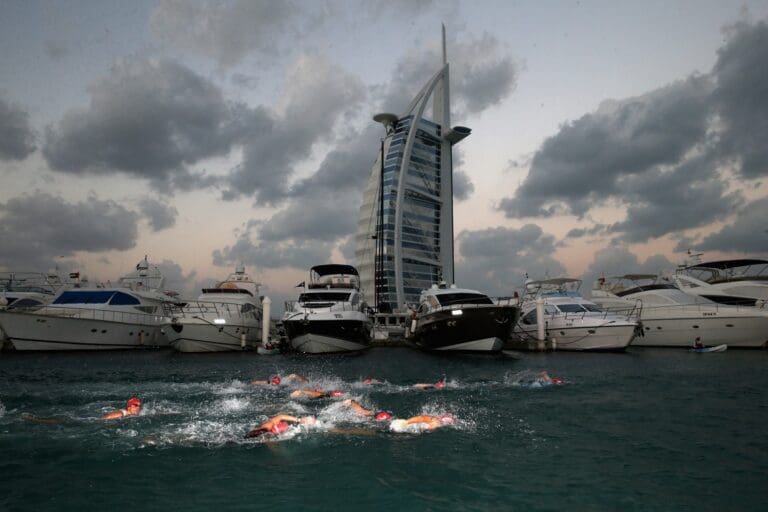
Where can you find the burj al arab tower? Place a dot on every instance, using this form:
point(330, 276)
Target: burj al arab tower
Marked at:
point(404, 240)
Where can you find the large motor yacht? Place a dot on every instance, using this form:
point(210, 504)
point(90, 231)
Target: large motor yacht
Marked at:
point(672, 318)
point(223, 318)
point(330, 314)
point(451, 318)
point(129, 315)
point(570, 321)
point(739, 282)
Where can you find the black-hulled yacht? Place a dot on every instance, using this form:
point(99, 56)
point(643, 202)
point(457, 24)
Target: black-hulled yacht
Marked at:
point(330, 314)
point(450, 318)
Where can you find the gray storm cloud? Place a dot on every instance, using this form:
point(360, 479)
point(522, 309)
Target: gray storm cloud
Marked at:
point(147, 118)
point(17, 138)
point(31, 241)
point(662, 153)
point(498, 259)
point(318, 95)
point(228, 31)
point(158, 213)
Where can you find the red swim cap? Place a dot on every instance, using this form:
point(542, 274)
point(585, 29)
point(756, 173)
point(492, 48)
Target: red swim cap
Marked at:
point(336, 392)
point(280, 427)
point(275, 380)
point(555, 380)
point(133, 401)
point(383, 416)
point(440, 384)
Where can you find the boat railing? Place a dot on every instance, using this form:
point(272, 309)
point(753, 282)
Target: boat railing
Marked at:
point(502, 302)
point(191, 309)
point(294, 306)
point(125, 317)
point(712, 308)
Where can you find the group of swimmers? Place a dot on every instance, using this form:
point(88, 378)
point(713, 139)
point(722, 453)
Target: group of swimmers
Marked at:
point(282, 422)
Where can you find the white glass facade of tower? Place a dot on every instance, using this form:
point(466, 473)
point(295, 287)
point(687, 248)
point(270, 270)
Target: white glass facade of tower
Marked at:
point(415, 190)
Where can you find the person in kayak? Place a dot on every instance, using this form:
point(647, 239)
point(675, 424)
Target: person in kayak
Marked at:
point(132, 408)
point(279, 424)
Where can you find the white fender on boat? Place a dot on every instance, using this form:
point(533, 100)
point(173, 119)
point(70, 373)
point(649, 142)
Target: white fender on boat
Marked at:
point(267, 305)
point(540, 319)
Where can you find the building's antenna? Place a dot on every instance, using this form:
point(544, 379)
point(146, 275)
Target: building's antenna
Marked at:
point(445, 54)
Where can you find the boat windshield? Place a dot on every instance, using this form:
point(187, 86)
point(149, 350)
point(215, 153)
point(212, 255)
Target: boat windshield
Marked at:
point(84, 297)
point(325, 297)
point(463, 298)
point(571, 308)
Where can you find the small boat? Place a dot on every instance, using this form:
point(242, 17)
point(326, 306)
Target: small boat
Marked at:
point(451, 318)
point(716, 348)
point(570, 322)
point(330, 315)
point(227, 317)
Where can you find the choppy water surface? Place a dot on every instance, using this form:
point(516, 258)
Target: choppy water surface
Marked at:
point(646, 430)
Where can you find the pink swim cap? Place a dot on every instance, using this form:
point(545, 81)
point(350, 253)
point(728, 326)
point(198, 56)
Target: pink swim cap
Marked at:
point(336, 392)
point(280, 427)
point(383, 416)
point(275, 380)
point(447, 419)
point(440, 384)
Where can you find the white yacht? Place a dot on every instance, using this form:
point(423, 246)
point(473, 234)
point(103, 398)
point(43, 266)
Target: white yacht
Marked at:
point(129, 315)
point(673, 318)
point(27, 289)
point(451, 318)
point(571, 322)
point(226, 317)
point(739, 282)
point(330, 314)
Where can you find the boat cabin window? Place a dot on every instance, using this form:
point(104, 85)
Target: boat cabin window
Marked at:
point(325, 297)
point(84, 297)
point(530, 318)
point(23, 303)
point(247, 308)
point(571, 308)
point(592, 308)
point(123, 299)
point(463, 298)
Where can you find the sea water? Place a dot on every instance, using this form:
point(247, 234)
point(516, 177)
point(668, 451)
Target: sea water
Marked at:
point(650, 429)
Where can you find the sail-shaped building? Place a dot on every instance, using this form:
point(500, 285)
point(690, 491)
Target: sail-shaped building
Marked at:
point(404, 240)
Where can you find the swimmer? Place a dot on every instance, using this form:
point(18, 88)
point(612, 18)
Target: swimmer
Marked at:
point(316, 393)
point(276, 380)
point(368, 413)
point(279, 424)
point(437, 385)
point(543, 379)
point(132, 408)
point(371, 380)
point(426, 422)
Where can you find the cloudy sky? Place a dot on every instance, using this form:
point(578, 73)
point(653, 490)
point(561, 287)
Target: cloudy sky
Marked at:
point(607, 136)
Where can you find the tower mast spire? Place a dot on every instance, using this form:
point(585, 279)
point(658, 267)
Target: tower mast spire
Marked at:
point(445, 54)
